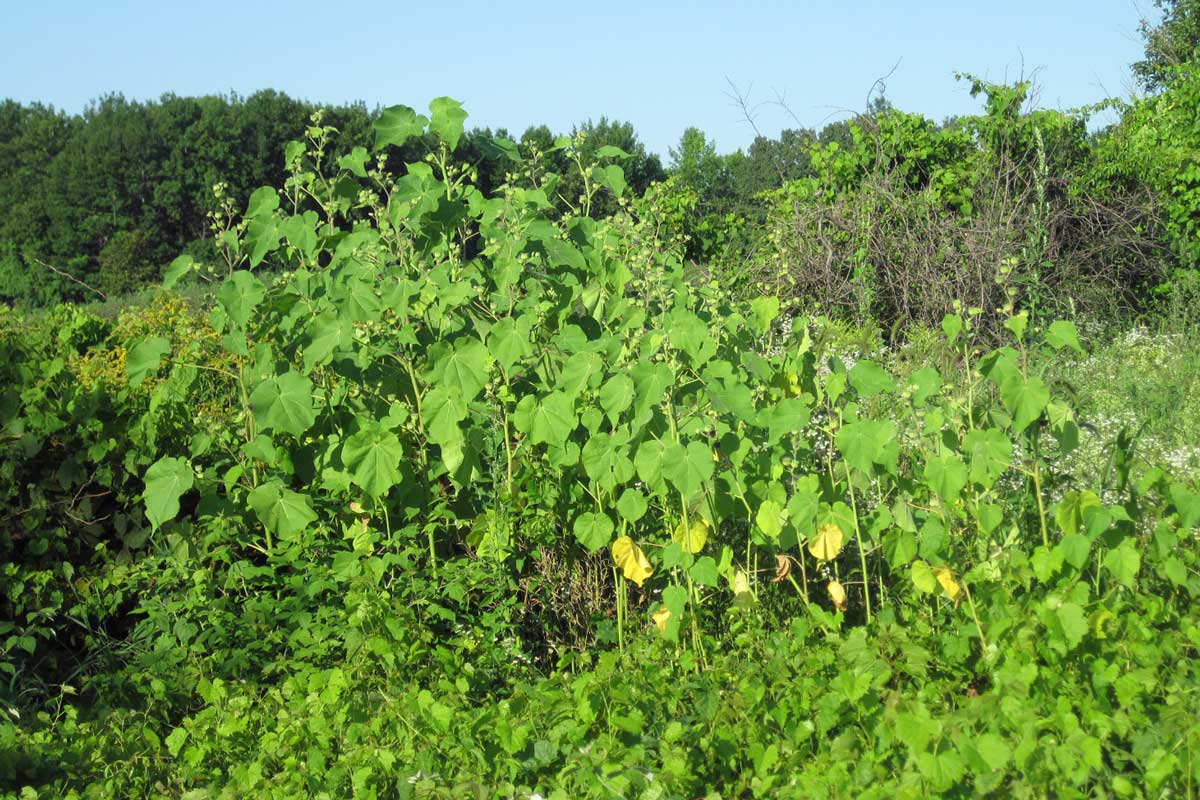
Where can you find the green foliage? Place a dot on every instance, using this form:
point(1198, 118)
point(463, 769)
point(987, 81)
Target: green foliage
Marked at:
point(1155, 144)
point(1171, 42)
point(127, 262)
point(895, 222)
point(484, 497)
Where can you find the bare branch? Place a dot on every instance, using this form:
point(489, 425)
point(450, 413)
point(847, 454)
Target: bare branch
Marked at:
point(71, 278)
point(749, 113)
point(880, 84)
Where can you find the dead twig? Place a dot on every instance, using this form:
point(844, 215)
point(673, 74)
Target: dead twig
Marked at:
point(70, 277)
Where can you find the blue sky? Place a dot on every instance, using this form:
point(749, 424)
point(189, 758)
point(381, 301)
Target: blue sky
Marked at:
point(661, 65)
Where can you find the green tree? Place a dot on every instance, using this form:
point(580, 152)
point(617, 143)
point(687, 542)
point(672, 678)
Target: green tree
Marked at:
point(696, 162)
point(1170, 43)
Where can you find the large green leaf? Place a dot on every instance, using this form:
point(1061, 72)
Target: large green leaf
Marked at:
point(990, 454)
point(870, 379)
point(373, 457)
point(446, 120)
point(284, 512)
point(1187, 505)
point(687, 468)
point(593, 530)
point(553, 420)
point(946, 475)
point(771, 518)
point(1124, 562)
point(804, 504)
point(145, 358)
point(1062, 334)
point(925, 382)
point(651, 383)
point(788, 416)
point(733, 397)
point(301, 232)
point(464, 369)
point(262, 237)
point(441, 411)
point(396, 125)
point(616, 395)
point(577, 373)
point(263, 202)
point(865, 443)
point(326, 333)
point(166, 481)
point(1072, 623)
point(284, 403)
point(612, 177)
point(1074, 509)
point(763, 311)
point(1025, 400)
point(176, 270)
point(632, 506)
point(899, 548)
point(239, 295)
point(355, 162)
point(605, 461)
point(508, 342)
point(649, 461)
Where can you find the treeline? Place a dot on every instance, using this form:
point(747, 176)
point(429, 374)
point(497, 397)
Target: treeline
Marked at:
point(888, 213)
point(97, 202)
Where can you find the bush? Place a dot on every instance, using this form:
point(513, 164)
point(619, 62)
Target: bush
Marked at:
point(987, 211)
point(127, 262)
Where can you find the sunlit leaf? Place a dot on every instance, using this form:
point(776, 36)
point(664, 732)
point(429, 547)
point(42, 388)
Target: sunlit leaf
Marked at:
point(396, 125)
point(616, 395)
point(827, 544)
point(632, 505)
point(284, 403)
point(946, 474)
point(1124, 562)
point(1072, 622)
point(741, 582)
point(283, 512)
point(446, 118)
point(945, 578)
point(764, 310)
point(553, 419)
point(239, 295)
point(770, 518)
point(693, 537)
point(688, 468)
point(593, 530)
point(870, 379)
point(1062, 333)
point(176, 270)
point(866, 443)
point(631, 560)
point(373, 457)
point(704, 571)
point(923, 577)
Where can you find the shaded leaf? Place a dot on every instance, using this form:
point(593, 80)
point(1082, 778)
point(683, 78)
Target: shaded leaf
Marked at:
point(166, 481)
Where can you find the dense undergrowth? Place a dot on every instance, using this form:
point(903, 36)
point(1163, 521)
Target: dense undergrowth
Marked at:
point(481, 499)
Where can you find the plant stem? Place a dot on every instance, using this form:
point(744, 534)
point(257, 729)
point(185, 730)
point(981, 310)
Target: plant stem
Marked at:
point(975, 616)
point(862, 551)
